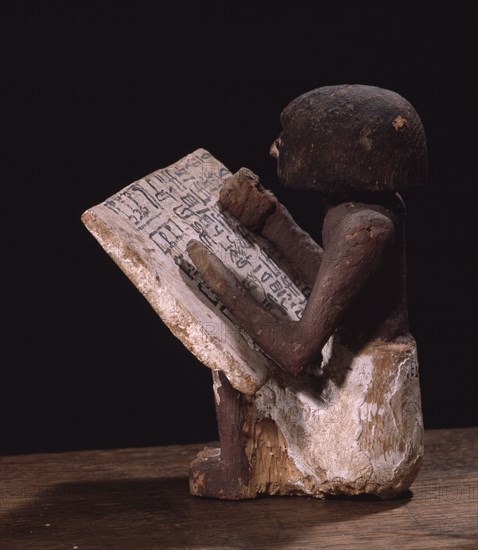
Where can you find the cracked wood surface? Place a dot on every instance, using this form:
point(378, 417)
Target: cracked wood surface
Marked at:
point(139, 498)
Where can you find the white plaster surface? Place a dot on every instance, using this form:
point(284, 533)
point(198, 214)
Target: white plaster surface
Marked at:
point(363, 434)
point(145, 228)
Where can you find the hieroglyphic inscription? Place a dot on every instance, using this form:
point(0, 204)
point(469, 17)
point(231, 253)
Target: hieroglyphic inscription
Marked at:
point(179, 203)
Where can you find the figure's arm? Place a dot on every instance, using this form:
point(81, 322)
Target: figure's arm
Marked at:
point(260, 211)
point(351, 257)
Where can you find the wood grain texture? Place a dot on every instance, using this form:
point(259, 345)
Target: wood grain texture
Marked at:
point(139, 498)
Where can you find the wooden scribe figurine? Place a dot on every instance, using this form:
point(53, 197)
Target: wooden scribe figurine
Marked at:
point(341, 415)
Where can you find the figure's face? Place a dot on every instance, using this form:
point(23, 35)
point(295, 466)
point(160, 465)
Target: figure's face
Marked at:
point(288, 171)
point(287, 150)
point(274, 150)
point(278, 150)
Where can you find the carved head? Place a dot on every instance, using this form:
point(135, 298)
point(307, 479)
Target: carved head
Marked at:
point(351, 138)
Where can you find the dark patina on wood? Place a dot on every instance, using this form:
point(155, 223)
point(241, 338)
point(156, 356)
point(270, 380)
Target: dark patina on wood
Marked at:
point(357, 147)
point(358, 279)
point(224, 474)
point(351, 138)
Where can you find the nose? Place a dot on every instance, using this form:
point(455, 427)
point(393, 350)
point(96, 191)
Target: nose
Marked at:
point(274, 150)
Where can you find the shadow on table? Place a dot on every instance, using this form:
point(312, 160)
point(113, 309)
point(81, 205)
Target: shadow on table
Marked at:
point(160, 514)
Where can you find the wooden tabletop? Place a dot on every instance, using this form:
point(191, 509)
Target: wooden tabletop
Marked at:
point(135, 499)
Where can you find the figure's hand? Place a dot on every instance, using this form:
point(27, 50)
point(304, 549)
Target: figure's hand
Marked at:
point(245, 198)
point(217, 276)
point(280, 339)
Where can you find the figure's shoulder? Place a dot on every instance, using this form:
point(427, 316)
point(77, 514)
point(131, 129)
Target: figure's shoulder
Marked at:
point(356, 221)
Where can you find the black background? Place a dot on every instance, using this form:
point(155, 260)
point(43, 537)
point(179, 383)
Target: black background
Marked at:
point(96, 95)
